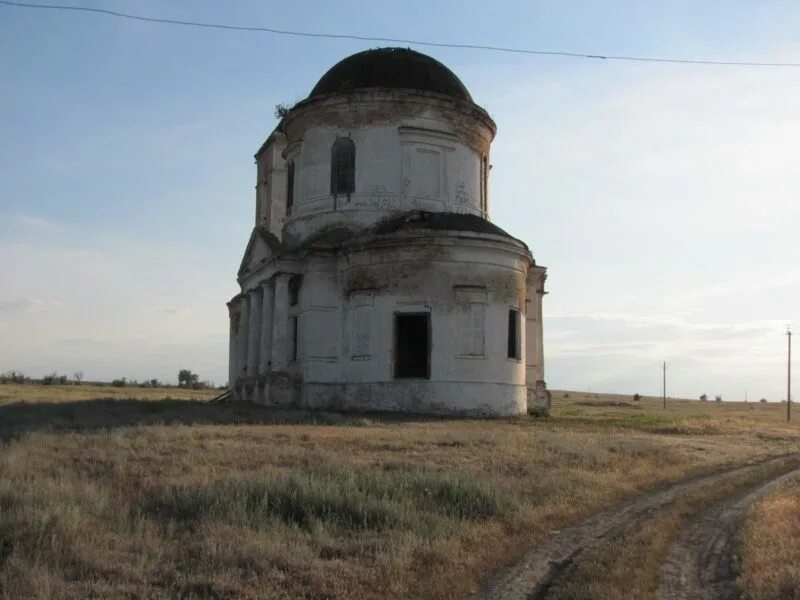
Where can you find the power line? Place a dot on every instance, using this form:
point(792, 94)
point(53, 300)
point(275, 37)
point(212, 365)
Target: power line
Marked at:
point(362, 38)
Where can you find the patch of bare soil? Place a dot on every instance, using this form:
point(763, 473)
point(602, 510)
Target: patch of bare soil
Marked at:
point(544, 569)
point(702, 563)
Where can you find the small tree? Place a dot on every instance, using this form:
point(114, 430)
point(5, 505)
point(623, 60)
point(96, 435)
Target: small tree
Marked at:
point(121, 382)
point(77, 377)
point(704, 398)
point(718, 398)
point(187, 379)
point(637, 397)
point(763, 401)
point(51, 378)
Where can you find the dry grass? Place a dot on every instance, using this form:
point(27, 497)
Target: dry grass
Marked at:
point(172, 498)
point(628, 566)
point(31, 392)
point(770, 551)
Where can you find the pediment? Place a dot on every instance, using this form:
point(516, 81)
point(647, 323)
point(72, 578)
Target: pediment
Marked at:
point(261, 249)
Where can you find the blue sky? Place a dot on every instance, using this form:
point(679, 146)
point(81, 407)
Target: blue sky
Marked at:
point(664, 199)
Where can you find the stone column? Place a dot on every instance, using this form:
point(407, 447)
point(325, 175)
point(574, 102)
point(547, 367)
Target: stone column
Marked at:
point(244, 321)
point(267, 304)
point(233, 370)
point(280, 323)
point(254, 339)
point(531, 301)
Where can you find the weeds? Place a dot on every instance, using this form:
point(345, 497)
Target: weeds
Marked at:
point(349, 501)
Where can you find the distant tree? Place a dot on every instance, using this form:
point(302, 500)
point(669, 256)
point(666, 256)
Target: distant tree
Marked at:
point(77, 377)
point(155, 383)
point(121, 382)
point(54, 379)
point(187, 379)
point(704, 398)
point(281, 110)
point(763, 400)
point(718, 398)
point(637, 397)
point(13, 377)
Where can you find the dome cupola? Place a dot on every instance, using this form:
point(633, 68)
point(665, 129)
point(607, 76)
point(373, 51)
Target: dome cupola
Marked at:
point(391, 68)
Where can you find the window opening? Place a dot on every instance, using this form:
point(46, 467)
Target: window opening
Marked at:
point(294, 289)
point(484, 182)
point(293, 333)
point(412, 346)
point(290, 188)
point(343, 167)
point(514, 350)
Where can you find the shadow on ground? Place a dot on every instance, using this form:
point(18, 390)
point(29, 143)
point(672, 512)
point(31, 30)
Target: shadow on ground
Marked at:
point(22, 417)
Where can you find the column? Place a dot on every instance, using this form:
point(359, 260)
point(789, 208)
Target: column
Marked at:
point(531, 300)
point(267, 303)
point(244, 321)
point(280, 323)
point(233, 370)
point(254, 338)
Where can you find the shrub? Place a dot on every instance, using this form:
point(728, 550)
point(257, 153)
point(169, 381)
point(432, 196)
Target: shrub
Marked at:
point(704, 398)
point(718, 398)
point(281, 110)
point(540, 412)
point(763, 400)
point(122, 382)
point(637, 397)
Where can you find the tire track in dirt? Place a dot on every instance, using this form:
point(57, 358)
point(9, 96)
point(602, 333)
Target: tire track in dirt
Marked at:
point(553, 561)
point(701, 563)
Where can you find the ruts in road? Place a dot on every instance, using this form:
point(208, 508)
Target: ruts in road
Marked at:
point(698, 565)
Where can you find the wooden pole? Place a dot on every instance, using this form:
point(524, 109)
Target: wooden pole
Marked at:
point(789, 376)
point(664, 385)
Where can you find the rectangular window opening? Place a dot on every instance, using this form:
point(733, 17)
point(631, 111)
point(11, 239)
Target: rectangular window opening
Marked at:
point(514, 350)
point(412, 357)
point(290, 188)
point(293, 334)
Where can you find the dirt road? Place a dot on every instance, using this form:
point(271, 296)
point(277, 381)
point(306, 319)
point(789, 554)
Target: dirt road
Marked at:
point(700, 564)
point(696, 561)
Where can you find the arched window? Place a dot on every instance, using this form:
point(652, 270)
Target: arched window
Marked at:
point(290, 187)
point(343, 167)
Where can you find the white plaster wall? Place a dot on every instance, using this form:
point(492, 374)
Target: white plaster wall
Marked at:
point(389, 281)
point(271, 185)
point(408, 157)
point(338, 366)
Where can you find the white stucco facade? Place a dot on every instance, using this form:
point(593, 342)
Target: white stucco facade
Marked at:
point(373, 279)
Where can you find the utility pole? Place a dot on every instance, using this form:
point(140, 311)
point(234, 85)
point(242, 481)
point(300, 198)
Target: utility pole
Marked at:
point(789, 376)
point(664, 385)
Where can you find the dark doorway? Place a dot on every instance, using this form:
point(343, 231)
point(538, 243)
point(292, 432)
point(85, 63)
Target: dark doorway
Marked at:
point(412, 351)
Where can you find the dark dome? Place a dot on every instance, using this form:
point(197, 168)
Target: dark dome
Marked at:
point(391, 68)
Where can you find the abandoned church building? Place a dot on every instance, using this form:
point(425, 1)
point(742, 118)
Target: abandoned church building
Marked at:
point(373, 278)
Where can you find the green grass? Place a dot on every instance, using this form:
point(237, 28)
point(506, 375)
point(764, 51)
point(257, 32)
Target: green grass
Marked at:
point(412, 499)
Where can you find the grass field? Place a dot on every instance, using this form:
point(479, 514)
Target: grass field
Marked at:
point(148, 494)
point(770, 551)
